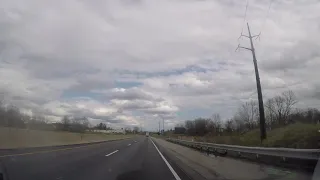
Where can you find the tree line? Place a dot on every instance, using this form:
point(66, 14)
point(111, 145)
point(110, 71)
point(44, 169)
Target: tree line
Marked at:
point(11, 116)
point(279, 112)
point(102, 126)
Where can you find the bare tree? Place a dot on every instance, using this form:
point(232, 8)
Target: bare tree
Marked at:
point(271, 113)
point(229, 126)
point(200, 126)
point(128, 130)
point(83, 121)
point(309, 115)
point(239, 124)
point(26, 118)
point(280, 107)
point(210, 126)
point(312, 115)
point(248, 113)
point(40, 118)
point(3, 114)
point(136, 129)
point(290, 100)
point(190, 127)
point(217, 123)
point(78, 124)
point(179, 125)
point(66, 122)
point(14, 118)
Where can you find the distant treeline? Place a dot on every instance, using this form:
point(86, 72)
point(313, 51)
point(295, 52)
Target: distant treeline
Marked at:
point(279, 112)
point(11, 116)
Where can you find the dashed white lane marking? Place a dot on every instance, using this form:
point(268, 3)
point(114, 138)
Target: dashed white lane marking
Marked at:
point(129, 144)
point(112, 153)
point(167, 163)
point(135, 141)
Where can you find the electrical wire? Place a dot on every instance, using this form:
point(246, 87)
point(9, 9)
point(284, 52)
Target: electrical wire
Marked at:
point(265, 20)
point(244, 17)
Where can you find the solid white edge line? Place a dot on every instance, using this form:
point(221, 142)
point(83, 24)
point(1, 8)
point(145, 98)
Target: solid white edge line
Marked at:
point(167, 163)
point(112, 153)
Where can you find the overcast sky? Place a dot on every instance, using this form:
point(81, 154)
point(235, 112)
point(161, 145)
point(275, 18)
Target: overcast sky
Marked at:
point(133, 62)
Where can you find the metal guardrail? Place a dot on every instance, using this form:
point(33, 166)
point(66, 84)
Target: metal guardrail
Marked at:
point(288, 156)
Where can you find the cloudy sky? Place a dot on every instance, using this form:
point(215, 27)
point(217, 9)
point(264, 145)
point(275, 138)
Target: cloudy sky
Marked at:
point(134, 62)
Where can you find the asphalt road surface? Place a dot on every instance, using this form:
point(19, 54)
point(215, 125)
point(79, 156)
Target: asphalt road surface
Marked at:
point(136, 158)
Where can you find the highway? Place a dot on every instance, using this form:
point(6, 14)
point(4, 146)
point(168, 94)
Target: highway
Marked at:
point(135, 158)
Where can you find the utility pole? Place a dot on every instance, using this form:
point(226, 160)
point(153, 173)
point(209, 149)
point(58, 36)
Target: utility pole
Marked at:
point(162, 125)
point(159, 127)
point(263, 133)
point(140, 127)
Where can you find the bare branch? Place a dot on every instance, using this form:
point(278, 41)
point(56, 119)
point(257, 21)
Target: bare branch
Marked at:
point(237, 48)
point(241, 47)
point(243, 36)
point(257, 36)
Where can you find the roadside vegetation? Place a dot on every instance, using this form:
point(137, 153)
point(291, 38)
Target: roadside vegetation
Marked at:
point(292, 136)
point(18, 129)
point(287, 126)
point(19, 138)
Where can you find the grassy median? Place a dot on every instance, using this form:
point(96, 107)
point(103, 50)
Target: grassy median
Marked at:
point(18, 138)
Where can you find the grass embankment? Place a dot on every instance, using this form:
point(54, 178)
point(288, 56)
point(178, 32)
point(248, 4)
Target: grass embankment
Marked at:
point(17, 138)
point(304, 136)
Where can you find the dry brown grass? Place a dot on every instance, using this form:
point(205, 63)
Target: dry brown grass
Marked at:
point(17, 138)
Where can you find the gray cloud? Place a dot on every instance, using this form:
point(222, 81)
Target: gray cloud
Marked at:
point(295, 57)
point(133, 94)
point(133, 104)
point(136, 99)
point(51, 55)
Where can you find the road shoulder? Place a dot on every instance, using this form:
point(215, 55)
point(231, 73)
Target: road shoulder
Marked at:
point(179, 165)
point(223, 167)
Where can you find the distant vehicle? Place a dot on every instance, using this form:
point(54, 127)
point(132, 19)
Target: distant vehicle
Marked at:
point(147, 134)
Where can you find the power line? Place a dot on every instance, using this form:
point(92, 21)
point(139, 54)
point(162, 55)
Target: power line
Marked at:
point(244, 18)
point(263, 24)
point(265, 19)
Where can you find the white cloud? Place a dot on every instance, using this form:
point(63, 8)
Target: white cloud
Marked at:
point(138, 99)
point(61, 60)
point(132, 94)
